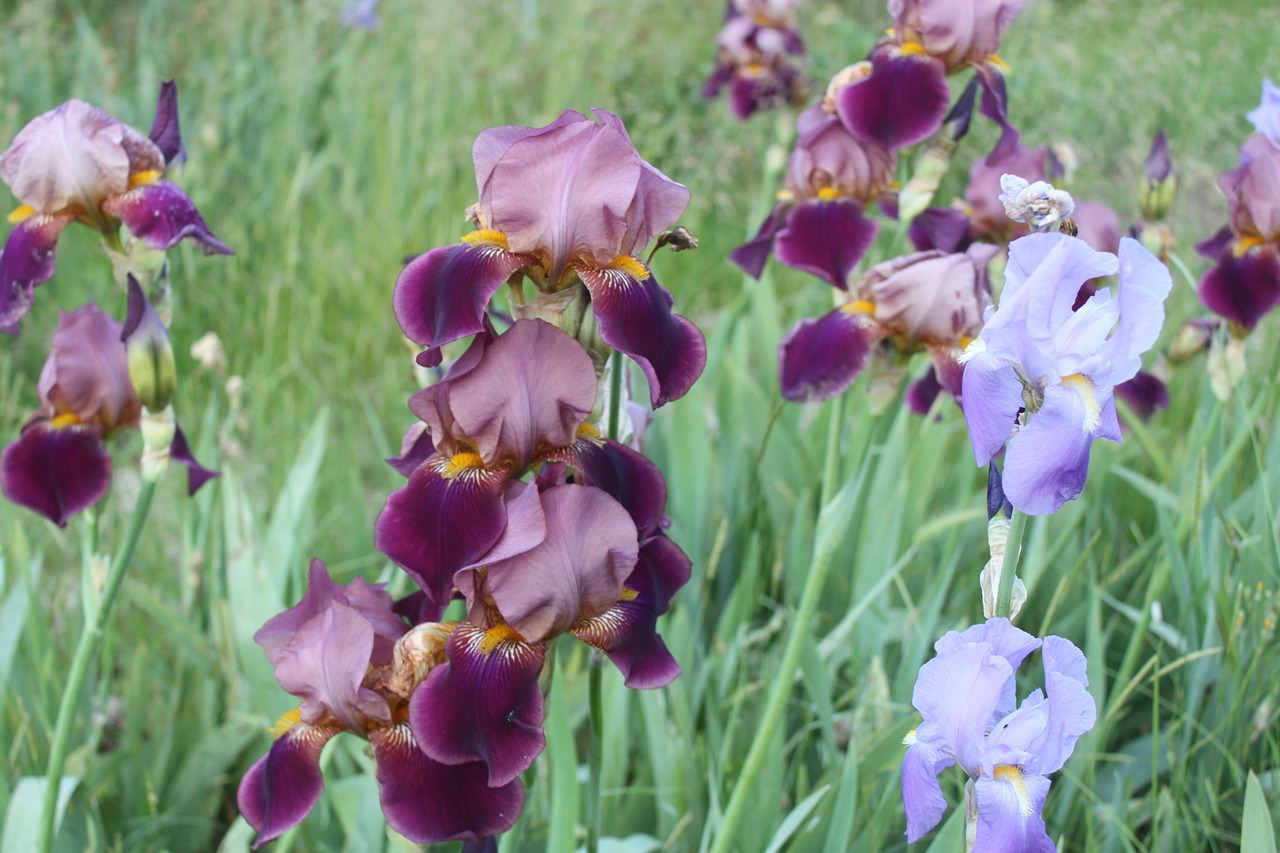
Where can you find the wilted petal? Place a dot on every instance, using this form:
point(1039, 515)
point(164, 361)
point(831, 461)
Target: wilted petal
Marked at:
point(825, 239)
point(1009, 819)
point(197, 474)
point(161, 215)
point(165, 132)
point(819, 359)
point(442, 296)
point(1242, 289)
point(26, 261)
point(752, 255)
point(902, 101)
point(635, 317)
point(484, 704)
point(1048, 460)
point(285, 784)
point(56, 471)
point(427, 801)
point(446, 517)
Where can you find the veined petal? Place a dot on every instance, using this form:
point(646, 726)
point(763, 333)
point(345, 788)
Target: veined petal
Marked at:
point(1048, 460)
point(26, 261)
point(627, 631)
point(56, 471)
point(1242, 289)
point(658, 201)
point(427, 801)
point(447, 516)
point(442, 296)
point(285, 784)
point(825, 239)
point(957, 693)
point(922, 796)
point(821, 358)
point(484, 704)
point(991, 396)
point(161, 215)
point(625, 475)
point(1009, 820)
point(635, 317)
point(902, 101)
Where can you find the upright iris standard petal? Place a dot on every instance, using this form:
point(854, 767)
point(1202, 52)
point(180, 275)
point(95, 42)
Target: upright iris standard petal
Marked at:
point(819, 359)
point(161, 215)
point(56, 471)
point(635, 317)
point(427, 801)
point(903, 101)
point(166, 132)
point(27, 261)
point(285, 784)
point(442, 296)
point(825, 239)
point(484, 704)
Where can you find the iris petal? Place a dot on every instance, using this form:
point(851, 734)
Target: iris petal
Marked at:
point(825, 239)
point(26, 261)
point(161, 215)
point(821, 358)
point(285, 784)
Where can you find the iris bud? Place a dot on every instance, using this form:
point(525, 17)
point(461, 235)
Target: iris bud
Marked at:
point(152, 370)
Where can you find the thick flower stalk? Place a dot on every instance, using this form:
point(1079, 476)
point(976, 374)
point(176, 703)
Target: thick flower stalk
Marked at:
point(60, 465)
point(756, 54)
point(966, 695)
point(78, 164)
point(354, 664)
point(567, 206)
point(1244, 283)
point(1040, 377)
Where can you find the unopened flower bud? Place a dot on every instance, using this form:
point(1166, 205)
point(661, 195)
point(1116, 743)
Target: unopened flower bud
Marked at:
point(680, 239)
point(1155, 194)
point(152, 370)
point(1192, 339)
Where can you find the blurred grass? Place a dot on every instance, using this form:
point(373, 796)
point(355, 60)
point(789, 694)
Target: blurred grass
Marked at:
point(325, 156)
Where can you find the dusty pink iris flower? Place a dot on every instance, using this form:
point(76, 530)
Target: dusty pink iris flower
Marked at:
point(569, 206)
point(76, 163)
point(756, 51)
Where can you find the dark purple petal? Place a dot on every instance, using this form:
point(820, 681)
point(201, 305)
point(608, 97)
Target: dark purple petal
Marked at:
point(1213, 247)
point(165, 132)
point(944, 228)
point(442, 296)
point(285, 784)
point(427, 801)
point(826, 239)
point(627, 631)
point(819, 359)
point(56, 471)
point(417, 607)
point(415, 448)
point(753, 254)
point(484, 704)
point(161, 215)
point(1158, 165)
point(922, 392)
point(635, 317)
point(1244, 288)
point(995, 106)
point(197, 474)
point(26, 261)
point(1144, 393)
point(626, 475)
point(902, 101)
point(445, 517)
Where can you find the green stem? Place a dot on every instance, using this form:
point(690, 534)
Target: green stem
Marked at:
point(595, 754)
point(88, 644)
point(1008, 571)
point(785, 676)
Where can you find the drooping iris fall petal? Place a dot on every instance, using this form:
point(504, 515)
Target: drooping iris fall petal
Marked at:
point(825, 239)
point(821, 358)
point(901, 102)
point(56, 471)
point(27, 261)
point(285, 784)
point(161, 215)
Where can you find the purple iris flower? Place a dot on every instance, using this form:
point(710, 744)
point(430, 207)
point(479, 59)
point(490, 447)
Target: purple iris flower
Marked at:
point(902, 97)
point(354, 664)
point(966, 695)
point(567, 205)
point(76, 163)
point(1045, 372)
point(60, 465)
point(1266, 116)
point(754, 58)
point(817, 225)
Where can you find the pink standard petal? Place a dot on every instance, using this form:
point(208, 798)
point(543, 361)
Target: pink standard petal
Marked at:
point(285, 784)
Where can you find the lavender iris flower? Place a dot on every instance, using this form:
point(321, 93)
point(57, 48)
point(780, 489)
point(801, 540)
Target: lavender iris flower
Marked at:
point(567, 205)
point(354, 664)
point(966, 695)
point(1049, 370)
point(1266, 116)
point(76, 163)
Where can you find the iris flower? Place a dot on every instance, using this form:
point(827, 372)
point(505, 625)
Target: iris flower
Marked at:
point(76, 163)
point(567, 205)
point(354, 664)
point(1045, 373)
point(966, 695)
point(755, 52)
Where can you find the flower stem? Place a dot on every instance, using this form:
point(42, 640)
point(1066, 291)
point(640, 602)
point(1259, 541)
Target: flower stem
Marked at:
point(1009, 570)
point(89, 642)
point(785, 676)
point(595, 754)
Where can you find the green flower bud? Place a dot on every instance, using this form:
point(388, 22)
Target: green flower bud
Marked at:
point(152, 369)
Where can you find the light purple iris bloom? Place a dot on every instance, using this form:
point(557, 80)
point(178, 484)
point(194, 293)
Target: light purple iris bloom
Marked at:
point(567, 205)
point(1266, 116)
point(60, 465)
point(966, 695)
point(354, 664)
point(1050, 371)
point(76, 163)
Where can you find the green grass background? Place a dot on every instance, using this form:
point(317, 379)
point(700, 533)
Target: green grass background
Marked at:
point(324, 156)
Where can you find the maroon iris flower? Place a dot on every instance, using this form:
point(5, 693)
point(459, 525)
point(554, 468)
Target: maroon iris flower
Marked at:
point(567, 205)
point(756, 49)
point(354, 664)
point(817, 225)
point(76, 163)
point(900, 96)
point(60, 464)
point(576, 550)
